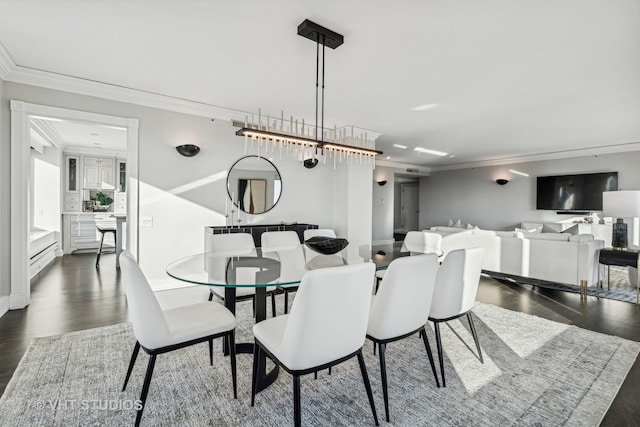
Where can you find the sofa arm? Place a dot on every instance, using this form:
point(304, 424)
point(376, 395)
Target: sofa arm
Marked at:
point(588, 261)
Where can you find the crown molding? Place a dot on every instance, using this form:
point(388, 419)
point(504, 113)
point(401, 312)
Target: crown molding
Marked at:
point(555, 155)
point(7, 63)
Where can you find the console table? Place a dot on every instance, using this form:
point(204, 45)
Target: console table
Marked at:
point(621, 258)
point(257, 230)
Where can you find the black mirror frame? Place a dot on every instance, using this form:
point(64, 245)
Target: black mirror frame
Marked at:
point(237, 205)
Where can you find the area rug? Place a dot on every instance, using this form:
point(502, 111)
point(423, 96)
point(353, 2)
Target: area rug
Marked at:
point(535, 372)
point(619, 287)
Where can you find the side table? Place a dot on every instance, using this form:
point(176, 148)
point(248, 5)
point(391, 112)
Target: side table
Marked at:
point(621, 258)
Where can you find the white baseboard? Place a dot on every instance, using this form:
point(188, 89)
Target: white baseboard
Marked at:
point(17, 301)
point(4, 304)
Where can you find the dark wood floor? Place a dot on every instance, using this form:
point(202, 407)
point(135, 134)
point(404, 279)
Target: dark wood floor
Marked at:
point(73, 295)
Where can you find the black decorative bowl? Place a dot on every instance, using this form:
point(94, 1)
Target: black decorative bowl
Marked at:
point(326, 245)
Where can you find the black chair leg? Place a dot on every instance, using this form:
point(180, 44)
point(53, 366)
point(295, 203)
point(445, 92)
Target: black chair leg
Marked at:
point(315, 375)
point(99, 251)
point(210, 296)
point(273, 304)
point(374, 348)
point(475, 335)
point(428, 348)
point(132, 362)
point(211, 352)
point(383, 377)
point(286, 301)
point(145, 388)
point(330, 370)
point(440, 356)
point(297, 413)
point(254, 377)
point(367, 385)
point(232, 357)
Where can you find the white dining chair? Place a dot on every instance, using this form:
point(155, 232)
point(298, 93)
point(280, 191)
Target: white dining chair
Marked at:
point(321, 331)
point(401, 308)
point(455, 292)
point(159, 331)
point(237, 244)
point(285, 246)
point(416, 243)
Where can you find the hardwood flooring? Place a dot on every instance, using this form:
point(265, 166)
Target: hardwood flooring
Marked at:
point(71, 295)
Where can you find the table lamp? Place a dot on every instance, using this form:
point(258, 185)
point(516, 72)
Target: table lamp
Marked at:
point(620, 204)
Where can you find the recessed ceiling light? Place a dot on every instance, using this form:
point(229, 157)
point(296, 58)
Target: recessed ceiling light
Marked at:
point(388, 157)
point(404, 147)
point(94, 134)
point(518, 172)
point(97, 144)
point(424, 107)
point(452, 156)
point(428, 151)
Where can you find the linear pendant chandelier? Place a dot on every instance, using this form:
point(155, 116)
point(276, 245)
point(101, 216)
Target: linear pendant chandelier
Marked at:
point(294, 137)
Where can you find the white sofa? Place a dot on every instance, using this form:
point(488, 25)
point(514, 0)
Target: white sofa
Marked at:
point(554, 257)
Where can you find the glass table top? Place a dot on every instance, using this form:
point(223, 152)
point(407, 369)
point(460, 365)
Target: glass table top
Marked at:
point(281, 266)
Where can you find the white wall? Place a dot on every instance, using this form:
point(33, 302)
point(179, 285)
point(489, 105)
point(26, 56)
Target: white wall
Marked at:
point(383, 203)
point(45, 189)
point(183, 195)
point(473, 196)
point(5, 176)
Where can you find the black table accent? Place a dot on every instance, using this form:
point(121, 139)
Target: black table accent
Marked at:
point(326, 245)
point(621, 258)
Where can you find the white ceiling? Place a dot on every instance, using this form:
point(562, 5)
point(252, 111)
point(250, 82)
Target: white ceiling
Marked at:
point(511, 77)
point(71, 133)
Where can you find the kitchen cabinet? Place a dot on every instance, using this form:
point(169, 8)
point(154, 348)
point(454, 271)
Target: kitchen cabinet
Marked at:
point(80, 231)
point(72, 174)
point(98, 172)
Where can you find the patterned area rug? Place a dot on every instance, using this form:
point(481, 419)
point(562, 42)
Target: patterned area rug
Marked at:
point(536, 372)
point(620, 288)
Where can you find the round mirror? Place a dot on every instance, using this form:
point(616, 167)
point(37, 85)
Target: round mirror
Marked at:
point(254, 184)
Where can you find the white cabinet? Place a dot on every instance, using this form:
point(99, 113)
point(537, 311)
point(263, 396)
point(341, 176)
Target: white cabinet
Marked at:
point(80, 231)
point(98, 172)
point(72, 174)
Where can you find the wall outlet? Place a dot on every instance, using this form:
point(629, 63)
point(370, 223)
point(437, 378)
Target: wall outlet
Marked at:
point(146, 221)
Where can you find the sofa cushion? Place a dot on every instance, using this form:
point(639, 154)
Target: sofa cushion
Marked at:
point(560, 237)
point(579, 238)
point(506, 234)
point(484, 232)
point(449, 229)
point(532, 227)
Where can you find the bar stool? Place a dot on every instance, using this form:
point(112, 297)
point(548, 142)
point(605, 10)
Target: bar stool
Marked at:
point(103, 230)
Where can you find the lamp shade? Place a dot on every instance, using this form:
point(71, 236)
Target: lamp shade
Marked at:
point(621, 204)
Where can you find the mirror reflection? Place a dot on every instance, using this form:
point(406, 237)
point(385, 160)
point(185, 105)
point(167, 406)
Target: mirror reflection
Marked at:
point(254, 184)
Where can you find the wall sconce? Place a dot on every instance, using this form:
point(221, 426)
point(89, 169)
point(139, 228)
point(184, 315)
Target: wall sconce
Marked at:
point(502, 181)
point(381, 183)
point(188, 150)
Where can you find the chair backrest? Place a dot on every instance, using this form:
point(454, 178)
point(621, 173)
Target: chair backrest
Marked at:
point(285, 245)
point(313, 232)
point(149, 324)
point(402, 302)
point(420, 242)
point(329, 316)
point(457, 283)
point(240, 242)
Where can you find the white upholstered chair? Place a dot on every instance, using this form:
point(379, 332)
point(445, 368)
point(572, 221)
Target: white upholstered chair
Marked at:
point(321, 330)
point(401, 308)
point(455, 292)
point(285, 246)
point(416, 243)
point(159, 331)
point(237, 244)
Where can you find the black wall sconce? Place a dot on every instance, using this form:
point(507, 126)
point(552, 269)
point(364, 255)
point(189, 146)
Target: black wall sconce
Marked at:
point(188, 150)
point(502, 181)
point(381, 183)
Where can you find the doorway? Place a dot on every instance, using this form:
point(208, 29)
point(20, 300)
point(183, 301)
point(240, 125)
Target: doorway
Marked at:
point(22, 116)
point(406, 205)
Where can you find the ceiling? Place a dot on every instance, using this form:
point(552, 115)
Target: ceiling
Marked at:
point(70, 133)
point(510, 78)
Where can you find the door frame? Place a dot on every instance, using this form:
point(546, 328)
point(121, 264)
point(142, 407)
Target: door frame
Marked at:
point(403, 207)
point(20, 183)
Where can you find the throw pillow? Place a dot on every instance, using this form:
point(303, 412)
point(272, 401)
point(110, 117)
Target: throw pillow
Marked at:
point(450, 223)
point(549, 229)
point(573, 230)
point(469, 227)
point(458, 224)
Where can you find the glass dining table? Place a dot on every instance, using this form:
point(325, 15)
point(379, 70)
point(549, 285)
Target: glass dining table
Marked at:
point(236, 269)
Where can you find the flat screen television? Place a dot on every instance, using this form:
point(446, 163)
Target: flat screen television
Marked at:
point(574, 192)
